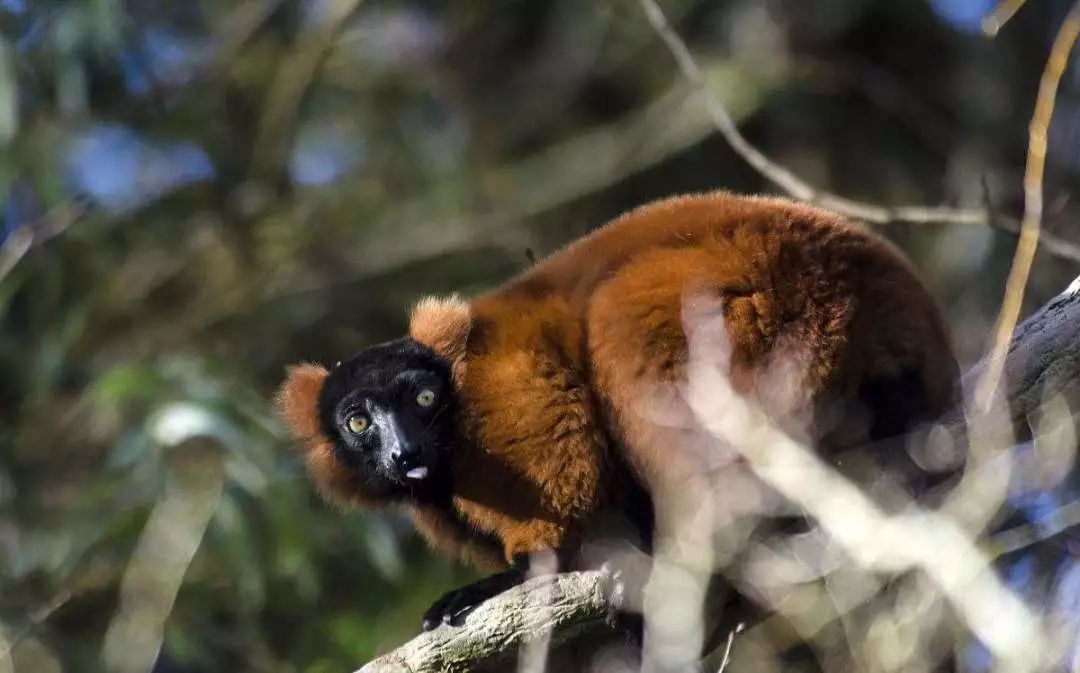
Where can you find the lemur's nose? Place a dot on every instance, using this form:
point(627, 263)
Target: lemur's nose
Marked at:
point(403, 453)
point(407, 459)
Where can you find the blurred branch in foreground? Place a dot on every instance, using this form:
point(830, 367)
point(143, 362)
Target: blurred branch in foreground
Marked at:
point(165, 549)
point(1043, 362)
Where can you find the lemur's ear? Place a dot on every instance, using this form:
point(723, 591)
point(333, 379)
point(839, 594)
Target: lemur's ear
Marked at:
point(443, 324)
point(298, 404)
point(298, 400)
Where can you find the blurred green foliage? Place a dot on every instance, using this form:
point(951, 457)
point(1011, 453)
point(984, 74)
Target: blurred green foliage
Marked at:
point(214, 189)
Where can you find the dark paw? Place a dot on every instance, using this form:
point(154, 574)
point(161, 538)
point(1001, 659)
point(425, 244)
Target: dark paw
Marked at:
point(455, 605)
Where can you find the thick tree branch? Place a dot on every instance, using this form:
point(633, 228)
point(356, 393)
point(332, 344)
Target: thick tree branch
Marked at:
point(1044, 356)
point(552, 608)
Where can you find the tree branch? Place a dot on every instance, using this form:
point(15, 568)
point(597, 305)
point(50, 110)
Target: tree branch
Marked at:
point(1044, 355)
point(797, 188)
point(36, 232)
point(555, 608)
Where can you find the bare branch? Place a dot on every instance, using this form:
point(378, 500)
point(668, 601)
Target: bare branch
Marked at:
point(560, 607)
point(1028, 534)
point(796, 187)
point(36, 232)
point(1044, 356)
point(778, 174)
point(996, 20)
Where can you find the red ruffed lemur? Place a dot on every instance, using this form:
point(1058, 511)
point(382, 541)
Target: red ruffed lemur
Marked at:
point(508, 423)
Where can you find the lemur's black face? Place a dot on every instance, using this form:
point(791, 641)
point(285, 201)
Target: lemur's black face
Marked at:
point(390, 412)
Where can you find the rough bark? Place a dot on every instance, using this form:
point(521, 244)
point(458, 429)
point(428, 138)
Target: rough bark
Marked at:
point(547, 611)
point(1044, 357)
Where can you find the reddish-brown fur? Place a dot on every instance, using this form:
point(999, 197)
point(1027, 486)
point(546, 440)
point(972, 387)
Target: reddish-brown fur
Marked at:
point(553, 367)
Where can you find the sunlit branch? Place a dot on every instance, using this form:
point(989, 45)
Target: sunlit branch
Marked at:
point(933, 543)
point(1028, 534)
point(1002, 13)
point(551, 609)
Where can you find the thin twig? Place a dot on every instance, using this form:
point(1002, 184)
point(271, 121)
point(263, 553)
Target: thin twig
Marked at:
point(996, 20)
point(1029, 534)
point(778, 174)
point(37, 231)
point(1038, 132)
point(797, 188)
point(1051, 243)
point(727, 648)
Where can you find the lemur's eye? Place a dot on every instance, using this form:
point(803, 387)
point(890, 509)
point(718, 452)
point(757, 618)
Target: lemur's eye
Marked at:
point(426, 397)
point(358, 423)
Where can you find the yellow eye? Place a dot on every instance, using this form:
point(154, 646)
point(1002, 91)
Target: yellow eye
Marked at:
point(358, 423)
point(426, 397)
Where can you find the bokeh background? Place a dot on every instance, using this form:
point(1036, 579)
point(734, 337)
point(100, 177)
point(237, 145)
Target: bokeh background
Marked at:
point(196, 193)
